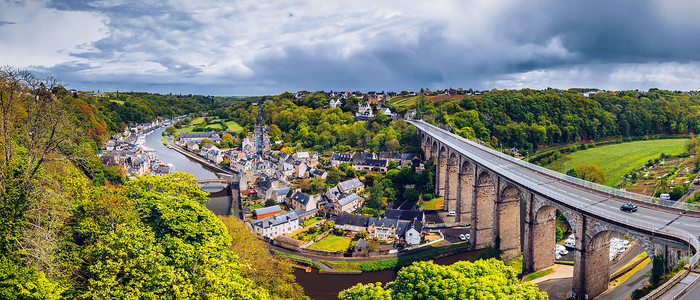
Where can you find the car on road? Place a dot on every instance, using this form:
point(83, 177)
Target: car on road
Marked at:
point(452, 213)
point(631, 207)
point(697, 181)
point(462, 237)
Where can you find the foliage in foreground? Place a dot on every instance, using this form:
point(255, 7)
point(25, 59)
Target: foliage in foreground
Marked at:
point(483, 279)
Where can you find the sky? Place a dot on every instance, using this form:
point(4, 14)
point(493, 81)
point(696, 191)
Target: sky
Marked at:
point(261, 47)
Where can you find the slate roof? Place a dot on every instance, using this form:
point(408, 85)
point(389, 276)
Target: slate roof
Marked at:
point(267, 210)
point(281, 191)
point(360, 157)
point(301, 198)
point(350, 219)
point(344, 201)
point(334, 192)
point(341, 157)
point(383, 222)
point(350, 184)
point(375, 162)
point(276, 220)
point(362, 243)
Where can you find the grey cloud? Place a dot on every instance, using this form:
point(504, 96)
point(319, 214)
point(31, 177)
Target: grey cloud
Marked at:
point(2, 23)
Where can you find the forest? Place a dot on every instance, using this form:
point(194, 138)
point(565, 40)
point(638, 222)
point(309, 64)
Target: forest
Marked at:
point(532, 119)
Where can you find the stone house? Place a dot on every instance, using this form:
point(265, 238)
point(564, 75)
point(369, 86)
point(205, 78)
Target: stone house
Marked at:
point(351, 186)
point(347, 204)
point(351, 222)
point(302, 201)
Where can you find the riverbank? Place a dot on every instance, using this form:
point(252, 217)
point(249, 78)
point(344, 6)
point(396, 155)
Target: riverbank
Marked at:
point(199, 159)
point(356, 265)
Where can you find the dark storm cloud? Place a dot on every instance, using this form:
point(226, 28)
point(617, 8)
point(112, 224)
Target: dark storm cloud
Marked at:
point(618, 31)
point(269, 47)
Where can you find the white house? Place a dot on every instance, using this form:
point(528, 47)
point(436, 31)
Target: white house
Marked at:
point(275, 226)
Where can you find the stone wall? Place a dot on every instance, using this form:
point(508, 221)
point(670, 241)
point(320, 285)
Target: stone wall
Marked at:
point(466, 195)
point(485, 206)
point(442, 173)
point(509, 223)
point(452, 186)
point(543, 238)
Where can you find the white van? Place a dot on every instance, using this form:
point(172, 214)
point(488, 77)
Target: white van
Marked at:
point(452, 213)
point(665, 196)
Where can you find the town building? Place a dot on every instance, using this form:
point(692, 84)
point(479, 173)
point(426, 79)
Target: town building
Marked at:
point(274, 226)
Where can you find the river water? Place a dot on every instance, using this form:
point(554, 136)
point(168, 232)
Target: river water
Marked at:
point(317, 286)
point(219, 201)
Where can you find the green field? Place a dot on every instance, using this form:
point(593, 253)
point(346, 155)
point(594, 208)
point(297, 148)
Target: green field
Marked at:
point(400, 101)
point(619, 159)
point(232, 125)
point(332, 243)
point(213, 124)
point(117, 101)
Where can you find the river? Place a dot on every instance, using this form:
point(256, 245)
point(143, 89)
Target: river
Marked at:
point(317, 286)
point(219, 201)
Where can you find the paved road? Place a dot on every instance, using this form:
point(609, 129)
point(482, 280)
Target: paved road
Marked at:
point(577, 197)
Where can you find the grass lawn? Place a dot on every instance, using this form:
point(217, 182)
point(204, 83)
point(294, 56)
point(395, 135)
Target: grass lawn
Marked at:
point(232, 125)
point(392, 263)
point(310, 221)
point(533, 276)
point(117, 101)
point(332, 242)
point(434, 204)
point(619, 159)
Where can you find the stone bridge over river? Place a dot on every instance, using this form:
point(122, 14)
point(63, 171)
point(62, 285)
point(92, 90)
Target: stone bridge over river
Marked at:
point(513, 204)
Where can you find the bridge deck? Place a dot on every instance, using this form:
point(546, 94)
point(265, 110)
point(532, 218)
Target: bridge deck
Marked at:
point(586, 200)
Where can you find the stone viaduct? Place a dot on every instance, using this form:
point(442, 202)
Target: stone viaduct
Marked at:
point(511, 213)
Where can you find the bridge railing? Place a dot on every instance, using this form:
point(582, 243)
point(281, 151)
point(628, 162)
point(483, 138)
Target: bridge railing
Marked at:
point(578, 181)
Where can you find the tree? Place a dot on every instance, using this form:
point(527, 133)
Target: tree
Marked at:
point(411, 195)
point(482, 279)
point(34, 128)
point(657, 270)
point(361, 234)
point(590, 172)
point(678, 191)
point(170, 130)
point(270, 202)
point(368, 291)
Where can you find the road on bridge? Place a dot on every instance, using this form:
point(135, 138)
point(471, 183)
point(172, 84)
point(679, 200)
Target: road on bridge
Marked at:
point(577, 197)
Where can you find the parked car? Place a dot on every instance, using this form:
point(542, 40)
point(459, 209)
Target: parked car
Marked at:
point(462, 237)
point(452, 213)
point(467, 236)
point(561, 250)
point(570, 244)
point(631, 207)
point(697, 181)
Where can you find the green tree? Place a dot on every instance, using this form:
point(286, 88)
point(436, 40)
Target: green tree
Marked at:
point(590, 172)
point(370, 291)
point(270, 202)
point(170, 130)
point(361, 234)
point(483, 279)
